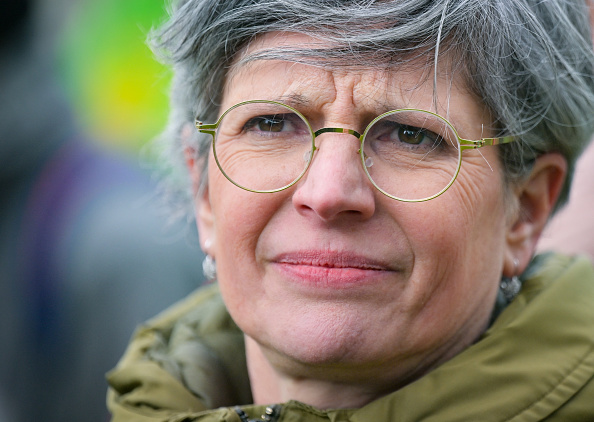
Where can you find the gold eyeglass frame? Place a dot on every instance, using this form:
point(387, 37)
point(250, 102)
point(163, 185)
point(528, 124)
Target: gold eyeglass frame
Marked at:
point(465, 144)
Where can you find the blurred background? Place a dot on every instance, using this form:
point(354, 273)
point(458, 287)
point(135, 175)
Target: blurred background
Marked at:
point(86, 251)
point(116, 87)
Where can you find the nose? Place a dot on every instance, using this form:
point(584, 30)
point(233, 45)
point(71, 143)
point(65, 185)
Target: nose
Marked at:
point(335, 185)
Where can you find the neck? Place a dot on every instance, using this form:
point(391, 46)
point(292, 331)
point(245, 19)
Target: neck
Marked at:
point(269, 385)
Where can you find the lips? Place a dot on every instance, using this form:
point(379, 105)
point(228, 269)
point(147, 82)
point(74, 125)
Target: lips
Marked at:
point(331, 269)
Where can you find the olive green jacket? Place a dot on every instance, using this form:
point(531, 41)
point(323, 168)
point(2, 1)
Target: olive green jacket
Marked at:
point(535, 363)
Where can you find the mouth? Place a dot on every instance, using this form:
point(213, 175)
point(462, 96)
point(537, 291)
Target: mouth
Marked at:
point(334, 270)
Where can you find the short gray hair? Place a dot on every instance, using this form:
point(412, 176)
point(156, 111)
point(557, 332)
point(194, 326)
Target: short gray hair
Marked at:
point(530, 61)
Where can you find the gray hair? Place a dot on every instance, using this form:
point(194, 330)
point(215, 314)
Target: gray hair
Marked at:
point(530, 61)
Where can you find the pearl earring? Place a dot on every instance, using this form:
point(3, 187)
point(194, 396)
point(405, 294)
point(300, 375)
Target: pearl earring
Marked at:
point(209, 265)
point(510, 287)
point(209, 268)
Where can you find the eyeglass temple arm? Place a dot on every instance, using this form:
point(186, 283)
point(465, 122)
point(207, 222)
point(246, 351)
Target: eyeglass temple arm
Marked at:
point(206, 128)
point(469, 144)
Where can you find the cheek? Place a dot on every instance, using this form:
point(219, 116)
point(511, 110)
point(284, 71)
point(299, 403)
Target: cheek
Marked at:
point(240, 218)
point(458, 261)
point(238, 221)
point(476, 199)
point(237, 228)
point(458, 239)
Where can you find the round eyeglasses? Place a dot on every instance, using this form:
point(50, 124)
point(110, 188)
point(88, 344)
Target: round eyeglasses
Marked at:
point(409, 155)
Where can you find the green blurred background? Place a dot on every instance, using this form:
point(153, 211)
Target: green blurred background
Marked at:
point(117, 88)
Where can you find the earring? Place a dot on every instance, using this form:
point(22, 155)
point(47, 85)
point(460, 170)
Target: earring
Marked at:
point(510, 287)
point(209, 268)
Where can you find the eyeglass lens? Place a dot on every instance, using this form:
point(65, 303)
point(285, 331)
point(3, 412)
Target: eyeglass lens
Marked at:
point(407, 154)
point(263, 146)
point(411, 154)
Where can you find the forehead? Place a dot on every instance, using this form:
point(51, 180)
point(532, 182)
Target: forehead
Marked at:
point(376, 90)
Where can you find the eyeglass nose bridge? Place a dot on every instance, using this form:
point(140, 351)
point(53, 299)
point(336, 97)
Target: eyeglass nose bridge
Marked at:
point(337, 130)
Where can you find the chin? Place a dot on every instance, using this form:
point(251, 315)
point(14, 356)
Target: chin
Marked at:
point(318, 340)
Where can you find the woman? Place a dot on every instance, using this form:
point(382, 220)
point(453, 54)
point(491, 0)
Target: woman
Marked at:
point(370, 182)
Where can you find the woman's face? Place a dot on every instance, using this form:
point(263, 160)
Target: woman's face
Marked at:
point(330, 274)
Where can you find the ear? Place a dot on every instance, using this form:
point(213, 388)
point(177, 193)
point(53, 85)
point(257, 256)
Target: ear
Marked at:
point(536, 197)
point(202, 208)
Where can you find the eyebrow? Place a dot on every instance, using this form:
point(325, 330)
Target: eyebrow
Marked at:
point(294, 100)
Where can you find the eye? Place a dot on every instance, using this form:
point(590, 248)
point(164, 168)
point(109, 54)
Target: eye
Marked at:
point(405, 135)
point(414, 136)
point(276, 123)
point(270, 124)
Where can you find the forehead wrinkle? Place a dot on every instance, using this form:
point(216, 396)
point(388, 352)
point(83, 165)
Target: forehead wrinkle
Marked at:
point(365, 92)
point(443, 99)
point(300, 87)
